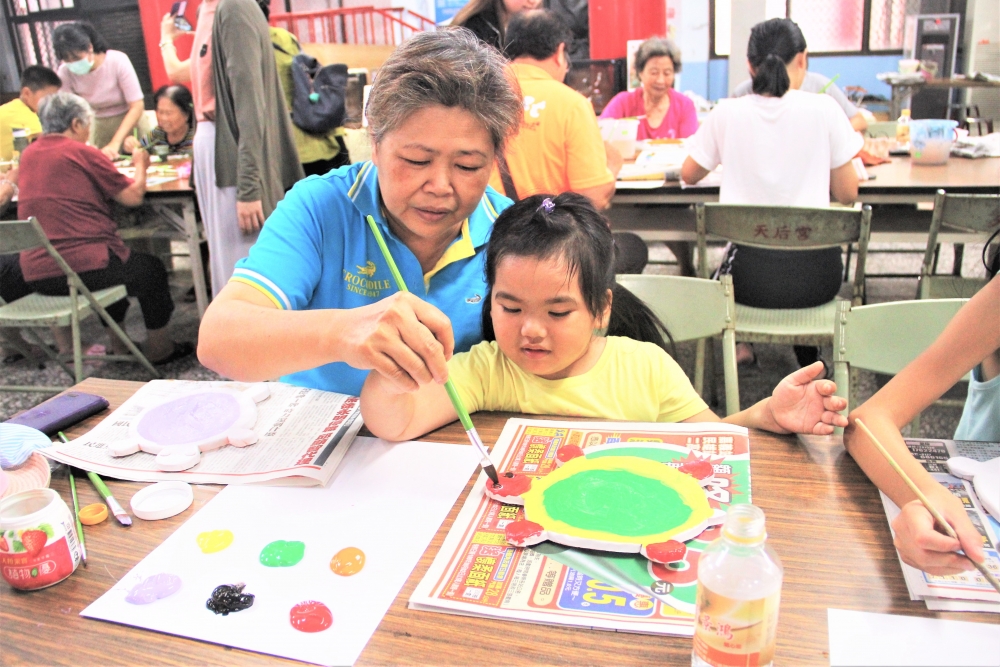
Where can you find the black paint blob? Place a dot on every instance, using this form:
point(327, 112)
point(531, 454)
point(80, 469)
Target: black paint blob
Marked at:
point(229, 598)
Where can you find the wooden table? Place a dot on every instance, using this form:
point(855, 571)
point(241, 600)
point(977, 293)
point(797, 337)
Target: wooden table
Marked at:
point(663, 214)
point(824, 518)
point(173, 203)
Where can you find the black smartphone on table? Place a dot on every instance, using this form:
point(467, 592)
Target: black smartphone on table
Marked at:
point(177, 11)
point(61, 412)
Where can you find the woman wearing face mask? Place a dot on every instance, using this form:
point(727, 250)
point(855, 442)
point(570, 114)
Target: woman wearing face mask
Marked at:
point(488, 19)
point(106, 79)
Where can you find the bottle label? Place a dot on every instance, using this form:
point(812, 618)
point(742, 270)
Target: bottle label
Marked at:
point(735, 633)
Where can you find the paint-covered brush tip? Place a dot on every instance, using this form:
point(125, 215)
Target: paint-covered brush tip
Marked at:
point(491, 472)
point(124, 519)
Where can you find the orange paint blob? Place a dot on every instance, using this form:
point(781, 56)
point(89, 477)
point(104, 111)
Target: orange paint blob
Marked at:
point(348, 561)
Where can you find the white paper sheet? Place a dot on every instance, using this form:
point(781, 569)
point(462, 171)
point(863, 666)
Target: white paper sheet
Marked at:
point(859, 638)
point(378, 501)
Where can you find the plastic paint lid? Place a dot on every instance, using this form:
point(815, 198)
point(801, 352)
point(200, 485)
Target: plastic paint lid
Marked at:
point(162, 500)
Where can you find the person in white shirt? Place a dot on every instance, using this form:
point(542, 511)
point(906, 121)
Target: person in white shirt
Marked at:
point(817, 83)
point(781, 147)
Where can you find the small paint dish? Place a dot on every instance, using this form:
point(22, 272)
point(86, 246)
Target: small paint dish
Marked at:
point(91, 515)
point(162, 500)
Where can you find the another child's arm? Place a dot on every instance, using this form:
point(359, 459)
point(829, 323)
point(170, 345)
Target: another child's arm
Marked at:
point(971, 336)
point(396, 415)
point(799, 404)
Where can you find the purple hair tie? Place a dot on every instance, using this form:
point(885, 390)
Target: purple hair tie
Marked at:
point(547, 205)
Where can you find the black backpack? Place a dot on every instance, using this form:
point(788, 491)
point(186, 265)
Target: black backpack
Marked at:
point(318, 94)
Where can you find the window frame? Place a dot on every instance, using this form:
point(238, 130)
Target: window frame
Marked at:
point(865, 49)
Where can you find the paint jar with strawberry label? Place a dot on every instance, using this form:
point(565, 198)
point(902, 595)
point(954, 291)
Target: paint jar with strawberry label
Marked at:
point(38, 542)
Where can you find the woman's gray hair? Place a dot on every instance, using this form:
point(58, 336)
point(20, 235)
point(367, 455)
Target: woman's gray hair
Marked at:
point(655, 47)
point(58, 111)
point(450, 68)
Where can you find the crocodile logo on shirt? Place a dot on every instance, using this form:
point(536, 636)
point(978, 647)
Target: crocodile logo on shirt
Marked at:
point(475, 298)
point(368, 269)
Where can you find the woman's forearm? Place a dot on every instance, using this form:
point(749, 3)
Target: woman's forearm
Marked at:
point(135, 111)
point(178, 71)
point(247, 339)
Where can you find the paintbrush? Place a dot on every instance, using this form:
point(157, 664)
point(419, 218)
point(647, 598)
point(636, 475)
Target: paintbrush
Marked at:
point(449, 386)
point(828, 84)
point(113, 505)
point(927, 503)
point(76, 513)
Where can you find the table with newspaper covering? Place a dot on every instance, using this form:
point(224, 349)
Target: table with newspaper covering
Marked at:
point(478, 573)
point(968, 591)
point(303, 435)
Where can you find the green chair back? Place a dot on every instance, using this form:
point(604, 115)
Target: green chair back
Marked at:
point(694, 309)
point(974, 214)
point(786, 228)
point(885, 337)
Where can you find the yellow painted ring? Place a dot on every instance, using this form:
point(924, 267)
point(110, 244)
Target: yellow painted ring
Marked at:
point(93, 514)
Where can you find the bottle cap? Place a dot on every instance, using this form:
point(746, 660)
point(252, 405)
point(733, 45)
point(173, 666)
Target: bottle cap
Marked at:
point(162, 500)
point(744, 524)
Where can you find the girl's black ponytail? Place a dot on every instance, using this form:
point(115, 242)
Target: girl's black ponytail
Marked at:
point(632, 318)
point(773, 44)
point(771, 77)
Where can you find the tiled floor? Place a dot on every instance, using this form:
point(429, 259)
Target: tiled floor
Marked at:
point(756, 382)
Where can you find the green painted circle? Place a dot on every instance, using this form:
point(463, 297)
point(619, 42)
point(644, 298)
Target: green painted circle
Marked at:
point(282, 554)
point(617, 502)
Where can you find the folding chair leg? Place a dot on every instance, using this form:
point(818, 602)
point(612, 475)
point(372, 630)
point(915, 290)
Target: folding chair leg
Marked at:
point(34, 338)
point(730, 373)
point(103, 314)
point(74, 321)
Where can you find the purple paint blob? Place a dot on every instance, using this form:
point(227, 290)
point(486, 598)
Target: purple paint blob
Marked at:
point(154, 588)
point(190, 418)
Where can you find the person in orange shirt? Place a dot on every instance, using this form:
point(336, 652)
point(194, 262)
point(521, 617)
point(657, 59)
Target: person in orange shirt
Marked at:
point(558, 148)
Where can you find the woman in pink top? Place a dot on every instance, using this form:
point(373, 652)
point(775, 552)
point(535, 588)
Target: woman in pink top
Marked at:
point(663, 113)
point(106, 79)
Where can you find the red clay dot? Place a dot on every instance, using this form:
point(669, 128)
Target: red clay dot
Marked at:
point(310, 616)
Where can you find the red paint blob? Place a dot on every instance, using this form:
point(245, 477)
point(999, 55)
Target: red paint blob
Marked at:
point(666, 552)
point(310, 616)
point(568, 453)
point(519, 532)
point(699, 469)
point(510, 486)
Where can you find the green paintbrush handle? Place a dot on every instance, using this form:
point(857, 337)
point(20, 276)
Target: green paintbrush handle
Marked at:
point(396, 275)
point(463, 414)
point(99, 485)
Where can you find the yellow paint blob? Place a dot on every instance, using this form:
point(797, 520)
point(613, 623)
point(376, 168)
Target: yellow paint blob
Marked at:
point(348, 561)
point(214, 540)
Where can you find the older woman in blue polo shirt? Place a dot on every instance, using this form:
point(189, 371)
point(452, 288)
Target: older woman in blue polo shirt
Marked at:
point(314, 302)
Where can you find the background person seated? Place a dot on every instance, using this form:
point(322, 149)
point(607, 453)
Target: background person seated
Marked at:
point(175, 124)
point(69, 187)
point(488, 19)
point(663, 113)
point(36, 83)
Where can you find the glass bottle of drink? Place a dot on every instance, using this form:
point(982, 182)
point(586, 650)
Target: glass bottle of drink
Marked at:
point(739, 588)
point(903, 127)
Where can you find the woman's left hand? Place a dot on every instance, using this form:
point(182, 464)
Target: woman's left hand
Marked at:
point(802, 404)
point(111, 150)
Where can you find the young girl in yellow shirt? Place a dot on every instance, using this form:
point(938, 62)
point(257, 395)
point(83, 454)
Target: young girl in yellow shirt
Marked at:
point(569, 341)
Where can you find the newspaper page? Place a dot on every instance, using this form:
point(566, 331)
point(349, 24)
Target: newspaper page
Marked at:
point(303, 434)
point(477, 573)
point(969, 590)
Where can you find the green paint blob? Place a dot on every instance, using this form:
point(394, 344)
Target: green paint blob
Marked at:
point(282, 554)
point(617, 502)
